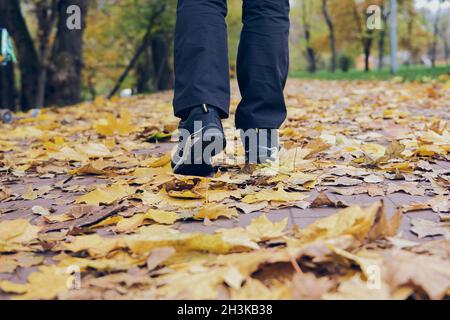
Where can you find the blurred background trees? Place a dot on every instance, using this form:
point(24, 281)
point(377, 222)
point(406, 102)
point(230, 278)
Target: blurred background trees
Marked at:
point(128, 44)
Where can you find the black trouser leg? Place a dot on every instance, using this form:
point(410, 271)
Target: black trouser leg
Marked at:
point(263, 63)
point(201, 56)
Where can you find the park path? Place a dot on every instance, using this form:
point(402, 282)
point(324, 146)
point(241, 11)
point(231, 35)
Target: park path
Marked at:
point(374, 114)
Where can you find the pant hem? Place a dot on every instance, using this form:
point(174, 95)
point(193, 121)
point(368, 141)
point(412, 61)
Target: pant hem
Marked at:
point(182, 108)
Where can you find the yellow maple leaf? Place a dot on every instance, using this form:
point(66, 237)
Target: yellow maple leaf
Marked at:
point(159, 216)
point(125, 123)
point(264, 229)
point(46, 283)
point(355, 221)
point(215, 212)
point(111, 125)
point(30, 194)
point(94, 150)
point(106, 195)
point(163, 217)
point(18, 231)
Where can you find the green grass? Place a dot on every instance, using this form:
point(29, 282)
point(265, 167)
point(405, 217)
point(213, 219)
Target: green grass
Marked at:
point(412, 73)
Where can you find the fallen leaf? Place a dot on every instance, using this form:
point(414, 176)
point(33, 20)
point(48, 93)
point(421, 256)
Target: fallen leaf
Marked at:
point(264, 229)
point(426, 228)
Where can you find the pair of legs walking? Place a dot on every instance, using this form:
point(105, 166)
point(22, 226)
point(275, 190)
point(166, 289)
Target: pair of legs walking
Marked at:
point(202, 66)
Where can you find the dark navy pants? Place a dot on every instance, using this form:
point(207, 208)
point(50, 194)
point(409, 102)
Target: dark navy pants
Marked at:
point(202, 66)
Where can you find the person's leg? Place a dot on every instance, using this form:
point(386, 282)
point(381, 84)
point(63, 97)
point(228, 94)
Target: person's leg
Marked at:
point(202, 84)
point(201, 57)
point(263, 63)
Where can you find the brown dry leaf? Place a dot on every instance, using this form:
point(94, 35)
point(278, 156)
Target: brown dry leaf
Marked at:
point(411, 188)
point(356, 288)
point(306, 286)
point(438, 204)
point(344, 181)
point(277, 196)
point(158, 256)
point(350, 191)
point(430, 273)
point(426, 228)
point(5, 193)
point(393, 151)
point(249, 208)
point(323, 200)
point(375, 190)
point(187, 188)
point(92, 218)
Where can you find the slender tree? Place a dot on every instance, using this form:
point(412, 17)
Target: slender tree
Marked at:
point(365, 34)
point(164, 78)
point(310, 53)
point(394, 37)
point(382, 36)
point(330, 25)
point(64, 72)
point(12, 19)
point(46, 13)
point(143, 47)
point(434, 43)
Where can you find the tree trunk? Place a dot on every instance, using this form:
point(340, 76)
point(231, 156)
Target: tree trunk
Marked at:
point(394, 36)
point(310, 54)
point(144, 71)
point(366, 36)
point(381, 41)
point(446, 48)
point(435, 37)
point(46, 16)
point(382, 38)
point(367, 50)
point(330, 25)
point(7, 89)
point(12, 19)
point(164, 78)
point(145, 43)
point(64, 72)
point(408, 40)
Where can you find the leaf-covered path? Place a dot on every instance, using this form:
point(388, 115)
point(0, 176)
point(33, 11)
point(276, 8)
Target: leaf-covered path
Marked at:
point(87, 192)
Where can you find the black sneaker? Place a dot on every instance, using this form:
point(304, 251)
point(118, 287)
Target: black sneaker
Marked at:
point(261, 145)
point(201, 138)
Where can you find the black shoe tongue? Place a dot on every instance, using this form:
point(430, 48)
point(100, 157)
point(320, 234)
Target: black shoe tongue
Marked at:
point(209, 117)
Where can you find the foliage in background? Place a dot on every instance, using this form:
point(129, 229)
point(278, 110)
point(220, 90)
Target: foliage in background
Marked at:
point(129, 44)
